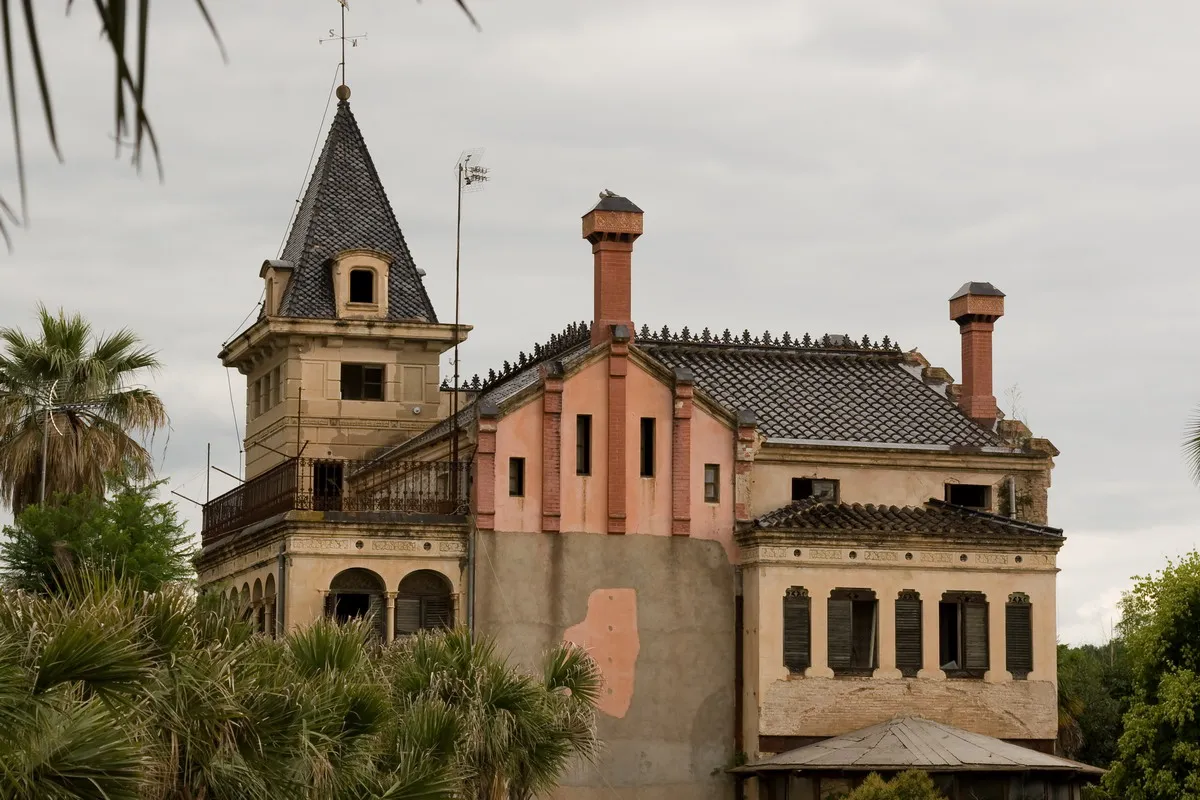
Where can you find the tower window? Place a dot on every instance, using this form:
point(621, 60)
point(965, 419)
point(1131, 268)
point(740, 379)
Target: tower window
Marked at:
point(815, 489)
point(583, 444)
point(362, 286)
point(853, 631)
point(970, 495)
point(647, 447)
point(516, 477)
point(362, 382)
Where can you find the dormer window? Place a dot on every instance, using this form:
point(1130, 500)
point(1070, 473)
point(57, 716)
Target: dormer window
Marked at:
point(362, 286)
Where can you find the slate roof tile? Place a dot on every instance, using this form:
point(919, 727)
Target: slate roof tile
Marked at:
point(935, 517)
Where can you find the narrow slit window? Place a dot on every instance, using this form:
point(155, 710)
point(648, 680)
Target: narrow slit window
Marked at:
point(797, 638)
point(821, 489)
point(516, 477)
point(583, 444)
point(362, 286)
point(647, 447)
point(853, 631)
point(712, 483)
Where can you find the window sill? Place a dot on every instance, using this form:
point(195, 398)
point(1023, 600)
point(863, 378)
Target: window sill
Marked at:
point(854, 672)
point(964, 675)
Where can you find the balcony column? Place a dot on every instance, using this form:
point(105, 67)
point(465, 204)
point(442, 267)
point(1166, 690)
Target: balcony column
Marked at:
point(269, 617)
point(389, 633)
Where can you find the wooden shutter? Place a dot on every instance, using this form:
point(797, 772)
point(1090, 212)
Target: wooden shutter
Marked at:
point(975, 636)
point(841, 621)
point(797, 639)
point(435, 612)
point(909, 659)
point(408, 614)
point(1018, 637)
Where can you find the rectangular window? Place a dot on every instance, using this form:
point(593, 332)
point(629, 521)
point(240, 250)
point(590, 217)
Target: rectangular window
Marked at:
point(255, 398)
point(516, 477)
point(909, 659)
point(362, 382)
point(647, 447)
point(712, 483)
point(1018, 636)
point(797, 639)
point(583, 444)
point(853, 631)
point(963, 634)
point(971, 495)
point(276, 386)
point(815, 488)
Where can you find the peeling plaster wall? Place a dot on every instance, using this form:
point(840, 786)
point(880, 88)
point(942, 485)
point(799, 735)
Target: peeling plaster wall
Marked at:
point(657, 612)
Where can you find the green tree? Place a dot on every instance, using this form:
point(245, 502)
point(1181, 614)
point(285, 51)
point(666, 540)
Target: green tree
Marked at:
point(128, 532)
point(911, 785)
point(94, 415)
point(1094, 686)
point(1158, 755)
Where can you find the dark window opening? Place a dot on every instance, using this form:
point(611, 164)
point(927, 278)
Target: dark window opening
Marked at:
point(797, 638)
point(327, 485)
point(647, 447)
point(853, 631)
point(971, 495)
point(1018, 636)
point(516, 477)
point(909, 655)
point(362, 382)
point(712, 483)
point(362, 286)
point(815, 488)
point(583, 444)
point(963, 634)
point(352, 606)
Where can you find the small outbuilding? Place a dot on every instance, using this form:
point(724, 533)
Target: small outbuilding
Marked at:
point(964, 765)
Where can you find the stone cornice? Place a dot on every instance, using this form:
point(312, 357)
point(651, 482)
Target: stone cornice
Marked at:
point(775, 452)
point(858, 555)
point(892, 540)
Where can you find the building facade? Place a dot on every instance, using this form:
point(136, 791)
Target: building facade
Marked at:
point(764, 540)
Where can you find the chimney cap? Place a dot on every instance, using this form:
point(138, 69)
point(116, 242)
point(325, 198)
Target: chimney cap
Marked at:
point(977, 288)
point(611, 201)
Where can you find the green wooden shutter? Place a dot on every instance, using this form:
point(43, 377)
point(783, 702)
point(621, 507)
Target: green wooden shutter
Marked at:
point(841, 616)
point(408, 614)
point(909, 658)
point(797, 626)
point(435, 612)
point(975, 637)
point(1018, 639)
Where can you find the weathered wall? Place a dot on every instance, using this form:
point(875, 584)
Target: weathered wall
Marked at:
point(657, 614)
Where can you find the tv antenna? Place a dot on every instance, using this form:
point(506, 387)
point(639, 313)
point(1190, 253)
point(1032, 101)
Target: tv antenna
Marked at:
point(334, 36)
point(469, 175)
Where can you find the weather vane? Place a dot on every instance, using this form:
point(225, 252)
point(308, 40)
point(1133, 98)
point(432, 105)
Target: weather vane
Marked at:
point(334, 36)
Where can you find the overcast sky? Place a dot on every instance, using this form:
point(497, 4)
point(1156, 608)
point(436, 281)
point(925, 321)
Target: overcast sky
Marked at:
point(805, 165)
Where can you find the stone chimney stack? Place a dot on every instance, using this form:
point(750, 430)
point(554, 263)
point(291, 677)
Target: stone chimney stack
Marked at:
point(612, 227)
point(976, 307)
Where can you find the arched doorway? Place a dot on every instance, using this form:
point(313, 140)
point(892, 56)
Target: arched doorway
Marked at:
point(356, 593)
point(423, 603)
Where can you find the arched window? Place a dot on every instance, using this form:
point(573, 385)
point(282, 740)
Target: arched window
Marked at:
point(362, 286)
point(356, 593)
point(423, 603)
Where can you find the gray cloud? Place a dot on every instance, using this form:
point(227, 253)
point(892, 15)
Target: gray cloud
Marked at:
point(836, 165)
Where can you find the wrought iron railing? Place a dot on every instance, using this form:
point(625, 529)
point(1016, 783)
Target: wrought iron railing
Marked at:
point(331, 484)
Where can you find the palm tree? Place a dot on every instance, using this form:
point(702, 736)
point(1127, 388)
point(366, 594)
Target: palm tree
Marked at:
point(70, 393)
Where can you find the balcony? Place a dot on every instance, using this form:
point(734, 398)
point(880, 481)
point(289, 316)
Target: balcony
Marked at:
point(340, 485)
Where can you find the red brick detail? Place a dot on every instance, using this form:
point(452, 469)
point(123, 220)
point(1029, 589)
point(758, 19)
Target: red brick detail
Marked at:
point(744, 452)
point(977, 400)
point(552, 387)
point(618, 368)
point(484, 485)
point(612, 291)
point(681, 462)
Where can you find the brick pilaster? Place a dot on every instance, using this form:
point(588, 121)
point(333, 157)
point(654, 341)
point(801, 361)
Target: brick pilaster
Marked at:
point(745, 448)
point(681, 455)
point(552, 388)
point(618, 368)
point(484, 485)
point(977, 401)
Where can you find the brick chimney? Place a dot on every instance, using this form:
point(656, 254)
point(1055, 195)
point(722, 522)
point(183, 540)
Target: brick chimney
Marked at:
point(612, 227)
point(976, 307)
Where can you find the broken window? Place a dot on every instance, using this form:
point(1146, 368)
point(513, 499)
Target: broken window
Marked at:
point(909, 658)
point(1018, 636)
point(797, 638)
point(362, 382)
point(516, 477)
point(647, 447)
point(853, 631)
point(362, 286)
point(712, 483)
point(970, 495)
point(963, 634)
point(815, 488)
point(583, 444)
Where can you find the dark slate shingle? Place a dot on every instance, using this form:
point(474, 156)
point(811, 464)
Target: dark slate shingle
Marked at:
point(345, 207)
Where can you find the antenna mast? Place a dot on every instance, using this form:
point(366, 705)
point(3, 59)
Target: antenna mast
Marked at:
point(470, 176)
point(334, 36)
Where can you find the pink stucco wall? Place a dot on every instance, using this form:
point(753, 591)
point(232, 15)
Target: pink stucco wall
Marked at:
point(519, 435)
point(584, 497)
point(712, 443)
point(648, 500)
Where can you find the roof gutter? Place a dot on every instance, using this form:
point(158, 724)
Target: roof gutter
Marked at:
point(931, 448)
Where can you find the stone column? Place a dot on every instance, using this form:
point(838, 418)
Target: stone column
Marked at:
point(269, 626)
point(886, 604)
point(389, 632)
point(746, 448)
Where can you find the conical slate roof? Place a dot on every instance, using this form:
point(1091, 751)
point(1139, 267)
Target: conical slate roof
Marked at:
point(344, 208)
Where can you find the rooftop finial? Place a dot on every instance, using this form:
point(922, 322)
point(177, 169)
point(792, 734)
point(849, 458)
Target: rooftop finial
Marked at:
point(343, 93)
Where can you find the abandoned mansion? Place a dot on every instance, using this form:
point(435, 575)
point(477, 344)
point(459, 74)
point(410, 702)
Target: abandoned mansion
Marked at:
point(767, 541)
